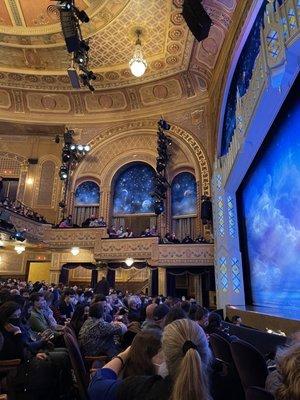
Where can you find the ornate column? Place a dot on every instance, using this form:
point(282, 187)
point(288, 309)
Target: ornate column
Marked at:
point(22, 182)
point(55, 267)
point(162, 281)
point(105, 202)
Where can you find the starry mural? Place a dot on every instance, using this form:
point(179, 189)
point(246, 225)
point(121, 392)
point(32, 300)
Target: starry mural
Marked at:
point(133, 188)
point(87, 193)
point(184, 194)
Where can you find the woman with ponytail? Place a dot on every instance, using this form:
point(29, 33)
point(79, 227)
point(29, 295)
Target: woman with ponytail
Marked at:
point(187, 362)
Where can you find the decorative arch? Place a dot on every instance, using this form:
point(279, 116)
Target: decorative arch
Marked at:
point(200, 158)
point(47, 182)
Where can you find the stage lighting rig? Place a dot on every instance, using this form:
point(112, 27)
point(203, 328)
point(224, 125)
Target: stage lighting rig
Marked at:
point(161, 184)
point(70, 17)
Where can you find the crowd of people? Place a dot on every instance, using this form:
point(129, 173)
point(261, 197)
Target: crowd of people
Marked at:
point(90, 222)
point(23, 210)
point(172, 238)
point(158, 348)
point(122, 233)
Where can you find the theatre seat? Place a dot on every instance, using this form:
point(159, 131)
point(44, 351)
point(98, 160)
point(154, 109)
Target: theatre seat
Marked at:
point(250, 364)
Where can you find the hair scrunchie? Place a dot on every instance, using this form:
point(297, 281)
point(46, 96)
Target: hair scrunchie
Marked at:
point(188, 344)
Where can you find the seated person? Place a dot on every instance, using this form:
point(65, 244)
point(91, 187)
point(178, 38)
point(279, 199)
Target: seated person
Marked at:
point(120, 231)
point(67, 304)
point(66, 223)
point(96, 336)
point(146, 233)
point(167, 238)
point(87, 222)
point(37, 320)
point(236, 320)
point(127, 234)
point(112, 232)
point(187, 239)
point(153, 231)
point(200, 239)
point(101, 221)
point(174, 239)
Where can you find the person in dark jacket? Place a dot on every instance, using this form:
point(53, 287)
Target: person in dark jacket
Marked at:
point(102, 287)
point(38, 375)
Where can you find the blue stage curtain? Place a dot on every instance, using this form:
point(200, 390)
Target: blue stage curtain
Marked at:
point(154, 282)
point(111, 277)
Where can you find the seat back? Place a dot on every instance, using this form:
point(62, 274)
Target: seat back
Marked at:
point(250, 363)
point(256, 393)
point(221, 348)
point(78, 366)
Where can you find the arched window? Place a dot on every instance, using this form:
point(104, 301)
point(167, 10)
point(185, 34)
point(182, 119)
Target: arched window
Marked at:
point(184, 204)
point(86, 201)
point(132, 201)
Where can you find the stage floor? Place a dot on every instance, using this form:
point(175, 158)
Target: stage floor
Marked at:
point(263, 318)
point(293, 314)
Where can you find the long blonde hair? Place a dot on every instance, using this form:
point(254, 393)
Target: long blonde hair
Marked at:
point(288, 366)
point(188, 357)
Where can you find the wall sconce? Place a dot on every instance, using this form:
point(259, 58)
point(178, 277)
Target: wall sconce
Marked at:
point(29, 181)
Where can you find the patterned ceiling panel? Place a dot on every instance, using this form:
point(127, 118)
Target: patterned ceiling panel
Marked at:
point(33, 55)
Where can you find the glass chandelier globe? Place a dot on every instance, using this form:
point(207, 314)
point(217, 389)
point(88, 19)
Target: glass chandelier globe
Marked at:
point(138, 64)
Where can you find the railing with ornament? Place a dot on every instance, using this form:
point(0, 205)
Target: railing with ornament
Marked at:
point(186, 254)
point(34, 231)
point(280, 29)
point(68, 237)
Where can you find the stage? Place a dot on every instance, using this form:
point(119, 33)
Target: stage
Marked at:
point(263, 318)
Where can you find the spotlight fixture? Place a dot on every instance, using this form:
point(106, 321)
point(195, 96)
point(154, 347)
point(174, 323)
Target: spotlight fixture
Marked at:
point(129, 261)
point(75, 251)
point(57, 139)
point(79, 147)
point(138, 64)
point(63, 172)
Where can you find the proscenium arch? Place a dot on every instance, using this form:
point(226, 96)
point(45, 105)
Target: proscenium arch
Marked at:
point(183, 137)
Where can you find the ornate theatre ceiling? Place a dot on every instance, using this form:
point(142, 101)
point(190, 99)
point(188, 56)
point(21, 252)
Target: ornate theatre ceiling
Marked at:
point(33, 56)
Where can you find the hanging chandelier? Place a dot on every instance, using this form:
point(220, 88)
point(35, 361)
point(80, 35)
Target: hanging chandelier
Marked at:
point(138, 64)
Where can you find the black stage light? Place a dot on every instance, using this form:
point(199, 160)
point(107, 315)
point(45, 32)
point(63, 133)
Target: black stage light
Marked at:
point(159, 207)
point(57, 139)
point(84, 46)
point(63, 172)
point(82, 16)
point(68, 136)
point(164, 125)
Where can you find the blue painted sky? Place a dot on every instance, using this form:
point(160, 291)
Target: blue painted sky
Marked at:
point(271, 201)
point(184, 194)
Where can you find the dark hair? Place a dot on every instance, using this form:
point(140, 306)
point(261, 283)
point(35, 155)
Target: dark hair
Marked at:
point(192, 311)
point(214, 323)
point(4, 295)
point(68, 292)
point(77, 319)
point(35, 297)
point(145, 346)
point(200, 313)
point(174, 314)
point(99, 297)
point(96, 310)
point(6, 310)
point(235, 318)
point(185, 305)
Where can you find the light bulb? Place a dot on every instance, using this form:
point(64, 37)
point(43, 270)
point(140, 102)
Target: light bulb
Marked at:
point(75, 251)
point(19, 248)
point(129, 261)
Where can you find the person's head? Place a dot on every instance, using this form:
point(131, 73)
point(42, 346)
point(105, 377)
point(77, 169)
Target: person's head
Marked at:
point(37, 300)
point(49, 298)
point(201, 316)
point(144, 347)
point(288, 366)
point(150, 310)
point(188, 356)
point(134, 302)
point(174, 314)
point(69, 296)
point(159, 314)
point(81, 312)
point(96, 310)
point(236, 320)
point(214, 322)
point(10, 312)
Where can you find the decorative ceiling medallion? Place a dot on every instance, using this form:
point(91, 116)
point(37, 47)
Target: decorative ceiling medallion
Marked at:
point(160, 91)
point(48, 102)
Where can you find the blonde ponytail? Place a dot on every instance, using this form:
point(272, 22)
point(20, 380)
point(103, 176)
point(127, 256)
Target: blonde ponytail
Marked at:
point(187, 357)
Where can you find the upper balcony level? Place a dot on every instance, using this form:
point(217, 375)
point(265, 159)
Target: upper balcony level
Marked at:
point(112, 250)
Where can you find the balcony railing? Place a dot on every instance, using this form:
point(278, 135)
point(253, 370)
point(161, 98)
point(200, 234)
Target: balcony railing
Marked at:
point(96, 242)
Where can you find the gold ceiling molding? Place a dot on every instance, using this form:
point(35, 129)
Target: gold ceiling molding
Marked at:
point(177, 132)
point(40, 61)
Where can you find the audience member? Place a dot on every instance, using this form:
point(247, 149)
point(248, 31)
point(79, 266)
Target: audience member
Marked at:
point(96, 337)
point(67, 304)
point(236, 320)
point(66, 223)
point(187, 239)
point(102, 287)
